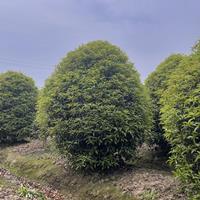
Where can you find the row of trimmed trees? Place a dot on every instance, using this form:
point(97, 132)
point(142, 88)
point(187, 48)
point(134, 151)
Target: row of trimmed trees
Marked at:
point(98, 112)
point(174, 88)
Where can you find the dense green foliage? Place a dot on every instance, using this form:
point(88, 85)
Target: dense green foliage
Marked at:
point(196, 49)
point(181, 119)
point(18, 96)
point(157, 84)
point(96, 107)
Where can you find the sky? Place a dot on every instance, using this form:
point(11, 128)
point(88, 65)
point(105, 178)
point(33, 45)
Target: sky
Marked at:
point(36, 34)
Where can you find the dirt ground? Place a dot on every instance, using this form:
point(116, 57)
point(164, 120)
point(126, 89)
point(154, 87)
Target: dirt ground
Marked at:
point(148, 180)
point(162, 184)
point(12, 194)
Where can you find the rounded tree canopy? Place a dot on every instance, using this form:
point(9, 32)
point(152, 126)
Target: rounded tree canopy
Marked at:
point(96, 107)
point(157, 84)
point(17, 106)
point(181, 119)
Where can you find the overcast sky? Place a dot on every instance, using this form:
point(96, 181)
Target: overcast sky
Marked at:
point(36, 34)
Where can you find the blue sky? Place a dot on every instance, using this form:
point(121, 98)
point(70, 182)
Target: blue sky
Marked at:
point(36, 34)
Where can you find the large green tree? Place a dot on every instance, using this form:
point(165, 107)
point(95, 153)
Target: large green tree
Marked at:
point(95, 107)
point(157, 84)
point(18, 96)
point(181, 119)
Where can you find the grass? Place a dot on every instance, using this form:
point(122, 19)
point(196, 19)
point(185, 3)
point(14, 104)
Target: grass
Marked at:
point(41, 167)
point(149, 195)
point(104, 192)
point(24, 191)
point(33, 167)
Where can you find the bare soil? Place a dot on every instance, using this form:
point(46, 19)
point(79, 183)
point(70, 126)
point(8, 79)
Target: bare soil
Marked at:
point(149, 175)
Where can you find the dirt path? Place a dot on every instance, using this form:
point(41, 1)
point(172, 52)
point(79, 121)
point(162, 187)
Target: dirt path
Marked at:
point(161, 184)
point(11, 194)
point(8, 194)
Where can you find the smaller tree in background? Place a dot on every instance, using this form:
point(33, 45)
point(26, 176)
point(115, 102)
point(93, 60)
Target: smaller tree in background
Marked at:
point(181, 119)
point(18, 96)
point(42, 117)
point(156, 83)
